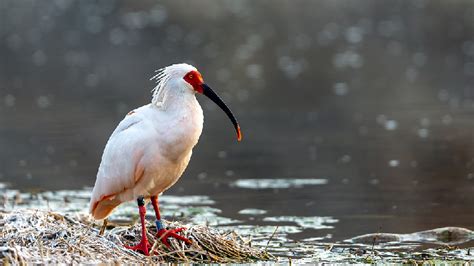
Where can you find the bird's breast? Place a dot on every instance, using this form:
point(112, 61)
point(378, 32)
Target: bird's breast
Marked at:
point(181, 134)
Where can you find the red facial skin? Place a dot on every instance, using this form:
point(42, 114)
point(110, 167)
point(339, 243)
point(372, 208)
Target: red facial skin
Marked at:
point(195, 79)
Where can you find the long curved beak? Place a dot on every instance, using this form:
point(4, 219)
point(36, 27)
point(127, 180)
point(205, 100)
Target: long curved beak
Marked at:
point(206, 90)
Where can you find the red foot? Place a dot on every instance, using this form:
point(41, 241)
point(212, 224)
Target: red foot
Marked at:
point(144, 246)
point(164, 234)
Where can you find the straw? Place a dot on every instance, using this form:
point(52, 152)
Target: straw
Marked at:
point(37, 236)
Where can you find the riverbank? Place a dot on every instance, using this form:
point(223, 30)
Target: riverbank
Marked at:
point(54, 227)
point(38, 236)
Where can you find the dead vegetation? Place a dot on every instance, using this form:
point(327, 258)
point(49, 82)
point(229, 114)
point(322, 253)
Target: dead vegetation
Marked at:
point(37, 236)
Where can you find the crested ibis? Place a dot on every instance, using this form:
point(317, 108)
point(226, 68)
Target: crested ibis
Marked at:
point(151, 147)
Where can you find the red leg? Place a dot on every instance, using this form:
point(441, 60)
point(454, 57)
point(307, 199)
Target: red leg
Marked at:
point(144, 245)
point(156, 206)
point(162, 233)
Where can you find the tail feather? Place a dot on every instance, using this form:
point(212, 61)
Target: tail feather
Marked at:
point(102, 208)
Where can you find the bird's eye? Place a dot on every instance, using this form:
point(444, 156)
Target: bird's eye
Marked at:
point(191, 76)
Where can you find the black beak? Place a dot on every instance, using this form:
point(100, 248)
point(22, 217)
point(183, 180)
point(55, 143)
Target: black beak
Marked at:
point(206, 90)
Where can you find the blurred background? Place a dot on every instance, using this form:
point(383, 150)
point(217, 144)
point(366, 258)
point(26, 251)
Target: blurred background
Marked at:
point(373, 98)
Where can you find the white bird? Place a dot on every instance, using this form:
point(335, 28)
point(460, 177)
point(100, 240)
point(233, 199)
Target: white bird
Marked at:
point(151, 147)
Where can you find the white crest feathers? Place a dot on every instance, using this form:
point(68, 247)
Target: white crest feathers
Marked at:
point(163, 75)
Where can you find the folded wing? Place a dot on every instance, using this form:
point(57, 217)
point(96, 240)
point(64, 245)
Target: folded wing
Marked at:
point(120, 167)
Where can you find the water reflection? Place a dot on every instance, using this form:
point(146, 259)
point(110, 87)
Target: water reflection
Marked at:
point(277, 183)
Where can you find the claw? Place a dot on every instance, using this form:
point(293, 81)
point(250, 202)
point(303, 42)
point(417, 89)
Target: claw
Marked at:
point(143, 247)
point(164, 234)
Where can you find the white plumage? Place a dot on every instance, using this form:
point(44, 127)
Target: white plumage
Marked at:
point(151, 147)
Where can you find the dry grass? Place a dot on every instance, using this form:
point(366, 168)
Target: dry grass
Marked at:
point(36, 236)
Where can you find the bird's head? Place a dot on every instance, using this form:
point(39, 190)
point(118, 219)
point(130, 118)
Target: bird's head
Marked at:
point(190, 77)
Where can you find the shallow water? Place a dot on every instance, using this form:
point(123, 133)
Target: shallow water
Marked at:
point(361, 191)
point(349, 195)
point(276, 234)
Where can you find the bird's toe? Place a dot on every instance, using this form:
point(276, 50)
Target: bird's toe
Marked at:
point(143, 247)
point(164, 234)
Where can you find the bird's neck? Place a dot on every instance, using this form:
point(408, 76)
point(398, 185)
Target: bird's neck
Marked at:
point(177, 99)
point(183, 117)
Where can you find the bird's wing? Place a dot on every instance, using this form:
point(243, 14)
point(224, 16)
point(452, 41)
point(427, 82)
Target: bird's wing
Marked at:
point(120, 167)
